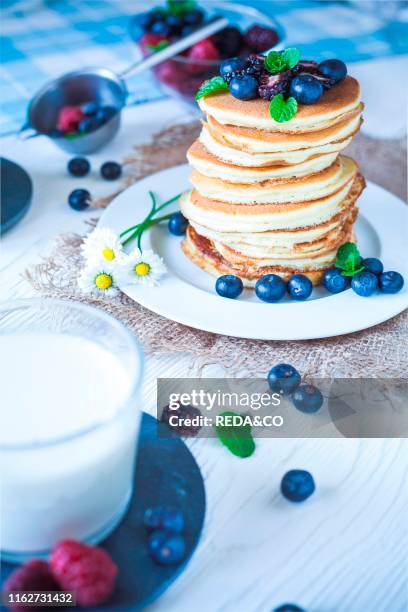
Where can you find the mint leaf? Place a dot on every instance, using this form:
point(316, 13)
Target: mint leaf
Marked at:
point(348, 259)
point(282, 110)
point(210, 87)
point(180, 7)
point(291, 56)
point(160, 45)
point(238, 439)
point(275, 62)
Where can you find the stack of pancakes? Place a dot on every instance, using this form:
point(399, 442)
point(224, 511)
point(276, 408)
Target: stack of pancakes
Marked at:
point(268, 197)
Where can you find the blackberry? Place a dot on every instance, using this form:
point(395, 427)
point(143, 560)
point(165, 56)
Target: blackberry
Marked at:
point(229, 41)
point(305, 66)
point(252, 67)
point(272, 84)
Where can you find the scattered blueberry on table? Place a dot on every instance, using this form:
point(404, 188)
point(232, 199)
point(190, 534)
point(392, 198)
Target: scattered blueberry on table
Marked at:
point(334, 281)
point(299, 287)
point(270, 288)
point(177, 224)
point(364, 283)
point(78, 166)
point(166, 547)
point(229, 286)
point(391, 282)
point(283, 378)
point(297, 485)
point(160, 517)
point(79, 199)
point(307, 398)
point(288, 607)
point(111, 170)
point(372, 264)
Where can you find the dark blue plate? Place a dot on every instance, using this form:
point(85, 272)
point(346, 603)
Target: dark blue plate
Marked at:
point(166, 474)
point(16, 192)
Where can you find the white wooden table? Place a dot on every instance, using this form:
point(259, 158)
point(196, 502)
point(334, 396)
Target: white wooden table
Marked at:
point(345, 549)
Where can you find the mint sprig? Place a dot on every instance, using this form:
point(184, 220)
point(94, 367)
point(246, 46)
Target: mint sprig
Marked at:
point(279, 61)
point(282, 110)
point(159, 47)
point(348, 259)
point(180, 7)
point(211, 87)
point(238, 439)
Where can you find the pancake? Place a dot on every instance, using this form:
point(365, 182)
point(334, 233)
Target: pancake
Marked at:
point(248, 218)
point(210, 165)
point(204, 253)
point(335, 103)
point(288, 243)
point(280, 158)
point(310, 187)
point(259, 141)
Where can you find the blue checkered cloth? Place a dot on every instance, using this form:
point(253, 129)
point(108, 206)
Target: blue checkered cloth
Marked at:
point(41, 39)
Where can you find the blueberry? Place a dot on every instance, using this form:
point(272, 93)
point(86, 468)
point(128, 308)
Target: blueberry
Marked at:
point(231, 65)
point(78, 166)
point(372, 264)
point(166, 547)
point(104, 114)
point(145, 20)
point(193, 17)
point(288, 607)
point(177, 224)
point(79, 199)
point(333, 69)
point(283, 378)
point(297, 485)
point(307, 398)
point(391, 282)
point(364, 283)
point(160, 27)
point(270, 288)
point(244, 87)
point(299, 287)
point(159, 517)
point(306, 89)
point(175, 23)
point(90, 108)
point(111, 170)
point(334, 281)
point(229, 286)
point(89, 124)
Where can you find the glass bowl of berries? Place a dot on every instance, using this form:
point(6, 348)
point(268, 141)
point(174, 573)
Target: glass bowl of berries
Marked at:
point(249, 32)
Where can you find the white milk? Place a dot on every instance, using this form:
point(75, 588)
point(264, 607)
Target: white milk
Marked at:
point(53, 388)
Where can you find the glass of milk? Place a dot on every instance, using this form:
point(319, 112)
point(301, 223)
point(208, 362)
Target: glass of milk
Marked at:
point(69, 419)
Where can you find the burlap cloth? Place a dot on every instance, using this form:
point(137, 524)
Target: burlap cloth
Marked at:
point(381, 351)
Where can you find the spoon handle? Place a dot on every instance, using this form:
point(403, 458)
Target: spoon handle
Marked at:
point(175, 48)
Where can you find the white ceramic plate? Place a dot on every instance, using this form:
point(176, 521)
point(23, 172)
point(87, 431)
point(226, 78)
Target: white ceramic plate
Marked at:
point(187, 294)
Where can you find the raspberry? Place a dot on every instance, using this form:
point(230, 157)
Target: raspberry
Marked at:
point(179, 415)
point(204, 51)
point(88, 571)
point(69, 118)
point(34, 575)
point(272, 84)
point(150, 40)
point(170, 72)
point(260, 39)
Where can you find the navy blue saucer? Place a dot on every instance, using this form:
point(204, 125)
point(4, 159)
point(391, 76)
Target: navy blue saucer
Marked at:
point(16, 192)
point(166, 474)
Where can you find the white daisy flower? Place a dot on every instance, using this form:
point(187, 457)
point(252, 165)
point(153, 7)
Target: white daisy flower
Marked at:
point(144, 268)
point(102, 245)
point(98, 280)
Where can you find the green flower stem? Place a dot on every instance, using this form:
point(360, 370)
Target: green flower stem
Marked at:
point(142, 227)
point(135, 227)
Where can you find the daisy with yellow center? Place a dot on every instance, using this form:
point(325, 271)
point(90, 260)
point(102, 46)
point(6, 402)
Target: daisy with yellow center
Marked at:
point(98, 280)
point(142, 267)
point(102, 245)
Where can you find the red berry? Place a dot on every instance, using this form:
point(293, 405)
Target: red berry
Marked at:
point(204, 51)
point(34, 575)
point(88, 571)
point(170, 72)
point(69, 118)
point(150, 40)
point(260, 39)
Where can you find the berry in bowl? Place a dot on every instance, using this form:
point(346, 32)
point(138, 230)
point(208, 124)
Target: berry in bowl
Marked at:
point(249, 31)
